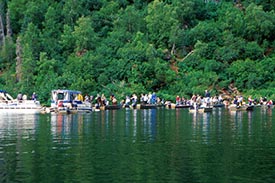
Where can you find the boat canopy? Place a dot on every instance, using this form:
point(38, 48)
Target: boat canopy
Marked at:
point(67, 95)
point(5, 96)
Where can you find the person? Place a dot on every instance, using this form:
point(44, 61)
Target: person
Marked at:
point(178, 100)
point(153, 98)
point(134, 100)
point(25, 97)
point(127, 101)
point(207, 97)
point(87, 98)
point(250, 100)
point(103, 100)
point(80, 97)
point(269, 103)
point(34, 96)
point(19, 96)
point(142, 100)
point(98, 102)
point(207, 94)
point(113, 99)
point(240, 101)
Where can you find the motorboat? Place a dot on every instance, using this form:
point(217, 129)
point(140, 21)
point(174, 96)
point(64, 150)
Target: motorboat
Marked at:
point(9, 104)
point(68, 102)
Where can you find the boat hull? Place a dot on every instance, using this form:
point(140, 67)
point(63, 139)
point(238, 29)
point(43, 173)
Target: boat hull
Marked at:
point(241, 108)
point(28, 107)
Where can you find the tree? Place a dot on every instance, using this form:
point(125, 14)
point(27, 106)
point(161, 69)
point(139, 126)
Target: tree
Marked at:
point(51, 32)
point(84, 35)
point(162, 24)
point(46, 78)
point(259, 25)
point(30, 42)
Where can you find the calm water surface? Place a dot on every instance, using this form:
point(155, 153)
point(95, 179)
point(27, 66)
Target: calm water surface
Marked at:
point(138, 146)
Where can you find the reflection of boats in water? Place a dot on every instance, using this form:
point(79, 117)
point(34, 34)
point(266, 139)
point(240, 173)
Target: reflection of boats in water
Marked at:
point(68, 102)
point(8, 104)
point(201, 109)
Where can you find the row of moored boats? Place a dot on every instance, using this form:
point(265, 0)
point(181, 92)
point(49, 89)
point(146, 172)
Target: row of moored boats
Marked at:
point(67, 102)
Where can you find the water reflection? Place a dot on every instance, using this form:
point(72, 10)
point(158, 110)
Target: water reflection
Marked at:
point(201, 126)
point(135, 121)
point(138, 146)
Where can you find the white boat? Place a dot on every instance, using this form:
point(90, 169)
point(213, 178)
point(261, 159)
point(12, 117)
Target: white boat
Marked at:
point(68, 101)
point(9, 104)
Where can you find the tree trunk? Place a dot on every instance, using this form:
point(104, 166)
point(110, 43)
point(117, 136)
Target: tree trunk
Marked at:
point(18, 60)
point(2, 32)
point(9, 31)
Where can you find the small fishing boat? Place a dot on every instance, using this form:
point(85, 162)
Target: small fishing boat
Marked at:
point(201, 109)
point(68, 102)
point(110, 107)
point(181, 106)
point(9, 104)
point(218, 105)
point(146, 106)
point(143, 106)
point(170, 105)
point(234, 107)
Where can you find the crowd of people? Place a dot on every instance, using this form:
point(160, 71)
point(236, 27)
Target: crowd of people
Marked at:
point(130, 100)
point(152, 98)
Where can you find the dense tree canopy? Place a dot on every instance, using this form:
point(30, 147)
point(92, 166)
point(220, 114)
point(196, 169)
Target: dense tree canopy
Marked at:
point(172, 47)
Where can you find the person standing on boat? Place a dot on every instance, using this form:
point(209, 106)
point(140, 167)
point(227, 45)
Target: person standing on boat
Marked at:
point(178, 100)
point(250, 100)
point(80, 97)
point(20, 96)
point(154, 98)
point(207, 97)
point(142, 100)
point(134, 100)
point(113, 99)
point(34, 96)
point(269, 103)
point(98, 102)
point(25, 97)
point(87, 98)
point(240, 101)
point(127, 101)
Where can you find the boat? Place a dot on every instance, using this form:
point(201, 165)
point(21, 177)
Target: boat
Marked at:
point(181, 106)
point(147, 106)
point(234, 107)
point(68, 102)
point(267, 106)
point(218, 105)
point(110, 107)
point(176, 106)
point(9, 104)
point(143, 106)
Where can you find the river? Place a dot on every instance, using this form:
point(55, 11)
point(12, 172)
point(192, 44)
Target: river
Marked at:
point(152, 145)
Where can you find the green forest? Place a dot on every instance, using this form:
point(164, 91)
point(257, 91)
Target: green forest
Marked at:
point(171, 47)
